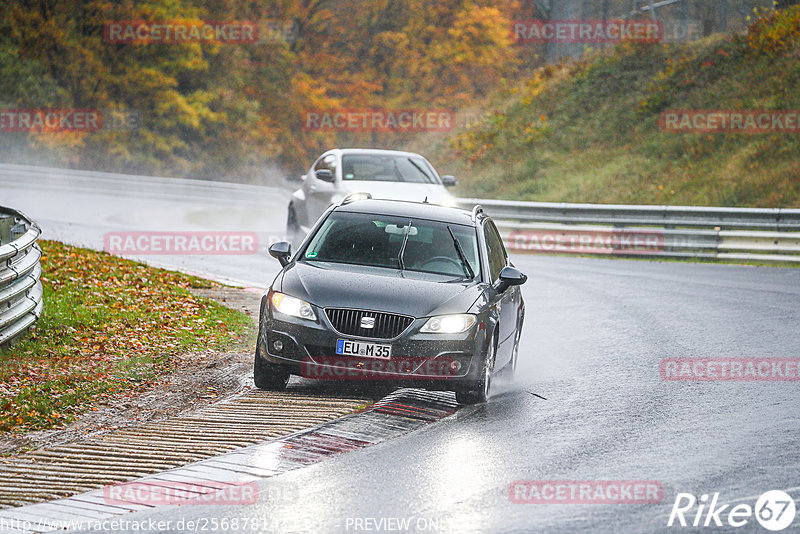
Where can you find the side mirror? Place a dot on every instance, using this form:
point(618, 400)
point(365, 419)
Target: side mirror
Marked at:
point(324, 174)
point(509, 277)
point(449, 181)
point(281, 251)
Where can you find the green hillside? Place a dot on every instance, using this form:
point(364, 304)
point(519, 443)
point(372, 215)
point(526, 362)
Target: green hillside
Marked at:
point(589, 131)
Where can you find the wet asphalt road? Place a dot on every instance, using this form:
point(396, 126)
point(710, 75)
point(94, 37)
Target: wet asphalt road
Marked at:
point(81, 208)
point(596, 331)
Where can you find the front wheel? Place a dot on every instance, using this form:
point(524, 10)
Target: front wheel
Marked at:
point(266, 375)
point(291, 220)
point(481, 392)
point(293, 233)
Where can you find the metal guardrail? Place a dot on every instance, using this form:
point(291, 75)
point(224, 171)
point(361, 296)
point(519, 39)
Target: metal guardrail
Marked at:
point(21, 300)
point(757, 234)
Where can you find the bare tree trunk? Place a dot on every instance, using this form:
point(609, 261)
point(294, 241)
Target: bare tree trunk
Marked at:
point(723, 16)
point(544, 10)
point(705, 12)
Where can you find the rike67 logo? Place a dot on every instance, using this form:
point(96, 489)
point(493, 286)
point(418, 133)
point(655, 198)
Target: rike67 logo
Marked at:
point(774, 510)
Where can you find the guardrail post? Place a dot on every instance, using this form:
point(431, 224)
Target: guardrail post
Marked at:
point(5, 228)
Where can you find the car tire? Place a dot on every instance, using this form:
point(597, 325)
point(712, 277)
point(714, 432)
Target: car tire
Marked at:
point(292, 225)
point(515, 350)
point(266, 375)
point(513, 365)
point(480, 393)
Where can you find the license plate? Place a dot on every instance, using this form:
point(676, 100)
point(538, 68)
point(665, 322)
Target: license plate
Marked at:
point(346, 347)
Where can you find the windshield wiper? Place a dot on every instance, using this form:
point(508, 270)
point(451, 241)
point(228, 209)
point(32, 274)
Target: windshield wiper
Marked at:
point(464, 263)
point(403, 247)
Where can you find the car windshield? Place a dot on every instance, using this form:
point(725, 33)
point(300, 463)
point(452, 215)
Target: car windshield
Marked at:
point(387, 168)
point(377, 241)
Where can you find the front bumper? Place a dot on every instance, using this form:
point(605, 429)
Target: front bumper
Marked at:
point(433, 361)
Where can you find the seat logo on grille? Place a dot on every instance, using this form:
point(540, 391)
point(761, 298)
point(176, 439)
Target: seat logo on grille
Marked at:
point(368, 322)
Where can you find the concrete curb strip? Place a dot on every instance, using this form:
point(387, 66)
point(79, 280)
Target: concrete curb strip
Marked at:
point(208, 480)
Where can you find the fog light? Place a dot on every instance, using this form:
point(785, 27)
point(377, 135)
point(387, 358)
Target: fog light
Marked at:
point(277, 346)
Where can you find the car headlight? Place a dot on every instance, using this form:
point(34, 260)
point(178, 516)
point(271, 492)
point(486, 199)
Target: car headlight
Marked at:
point(448, 324)
point(292, 306)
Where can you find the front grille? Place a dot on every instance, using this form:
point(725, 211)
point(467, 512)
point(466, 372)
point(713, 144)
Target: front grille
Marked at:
point(387, 325)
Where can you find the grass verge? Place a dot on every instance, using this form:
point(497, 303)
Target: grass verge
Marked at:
point(110, 327)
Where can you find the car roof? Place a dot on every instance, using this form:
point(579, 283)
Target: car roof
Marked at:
point(360, 151)
point(415, 210)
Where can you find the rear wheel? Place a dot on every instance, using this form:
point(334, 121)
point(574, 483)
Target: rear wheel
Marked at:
point(481, 391)
point(515, 353)
point(514, 357)
point(267, 375)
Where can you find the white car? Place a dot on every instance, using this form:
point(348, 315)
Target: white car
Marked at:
point(384, 174)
